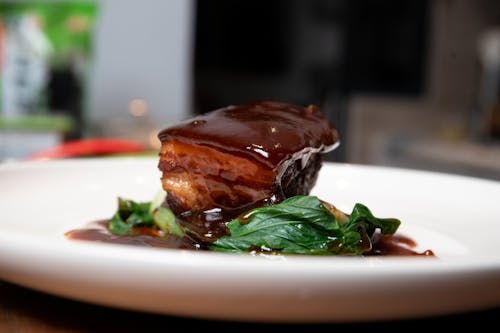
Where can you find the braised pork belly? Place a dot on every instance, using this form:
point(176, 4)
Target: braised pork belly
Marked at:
point(223, 163)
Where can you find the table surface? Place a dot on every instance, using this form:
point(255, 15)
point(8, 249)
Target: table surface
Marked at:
point(25, 310)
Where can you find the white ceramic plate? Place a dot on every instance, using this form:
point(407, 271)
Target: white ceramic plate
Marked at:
point(457, 217)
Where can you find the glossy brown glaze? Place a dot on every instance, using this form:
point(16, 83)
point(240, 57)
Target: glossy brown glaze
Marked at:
point(145, 237)
point(233, 159)
point(269, 132)
point(396, 245)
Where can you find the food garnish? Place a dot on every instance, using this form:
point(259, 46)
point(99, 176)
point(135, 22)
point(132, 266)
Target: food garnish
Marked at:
point(298, 225)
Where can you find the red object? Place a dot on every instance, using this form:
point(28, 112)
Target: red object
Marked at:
point(88, 147)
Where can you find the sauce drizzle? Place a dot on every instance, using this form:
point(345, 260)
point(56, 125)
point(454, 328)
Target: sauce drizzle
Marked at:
point(396, 245)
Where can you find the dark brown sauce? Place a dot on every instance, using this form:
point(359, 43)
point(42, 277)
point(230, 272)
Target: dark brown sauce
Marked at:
point(397, 245)
point(98, 232)
point(268, 131)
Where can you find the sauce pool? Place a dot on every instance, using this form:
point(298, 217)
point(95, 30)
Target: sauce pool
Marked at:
point(396, 245)
point(98, 232)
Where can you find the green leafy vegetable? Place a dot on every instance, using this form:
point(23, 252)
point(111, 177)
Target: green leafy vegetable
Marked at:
point(304, 225)
point(132, 214)
point(129, 215)
point(166, 221)
point(298, 225)
point(157, 201)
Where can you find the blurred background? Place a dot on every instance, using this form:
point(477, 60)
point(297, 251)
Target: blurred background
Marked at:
point(408, 83)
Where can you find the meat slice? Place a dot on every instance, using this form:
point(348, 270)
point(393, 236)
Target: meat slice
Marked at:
point(217, 165)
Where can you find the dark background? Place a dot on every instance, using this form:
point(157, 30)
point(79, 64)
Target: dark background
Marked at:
point(308, 52)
